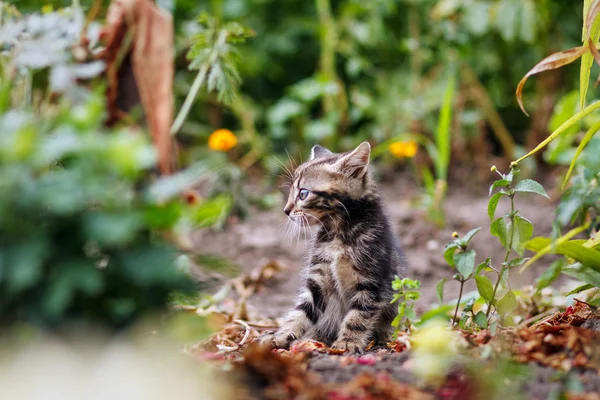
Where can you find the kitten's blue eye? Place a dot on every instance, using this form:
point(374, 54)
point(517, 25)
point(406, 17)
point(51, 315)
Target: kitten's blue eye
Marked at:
point(302, 194)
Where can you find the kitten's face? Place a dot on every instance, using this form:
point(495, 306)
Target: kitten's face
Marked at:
point(320, 185)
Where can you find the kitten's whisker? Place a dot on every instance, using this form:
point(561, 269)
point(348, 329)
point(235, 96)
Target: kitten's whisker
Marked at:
point(288, 172)
point(318, 220)
point(292, 161)
point(342, 204)
point(287, 231)
point(300, 154)
point(306, 227)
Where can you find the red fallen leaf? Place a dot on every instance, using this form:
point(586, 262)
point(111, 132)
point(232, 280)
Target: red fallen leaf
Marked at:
point(368, 359)
point(210, 356)
point(335, 351)
point(569, 310)
point(397, 346)
point(308, 346)
point(139, 66)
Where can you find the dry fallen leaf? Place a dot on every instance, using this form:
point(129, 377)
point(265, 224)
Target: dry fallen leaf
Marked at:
point(553, 61)
point(139, 58)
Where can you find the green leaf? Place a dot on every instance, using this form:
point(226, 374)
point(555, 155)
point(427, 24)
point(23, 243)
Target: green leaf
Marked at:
point(23, 264)
point(507, 304)
point(412, 295)
point(409, 314)
point(504, 277)
point(464, 242)
point(499, 229)
point(484, 287)
point(439, 290)
point(565, 126)
point(493, 204)
point(531, 186)
point(463, 321)
point(214, 211)
point(113, 229)
point(498, 183)
point(438, 312)
point(586, 139)
point(536, 244)
point(442, 134)
point(516, 262)
point(586, 275)
point(550, 274)
point(580, 289)
point(484, 265)
point(509, 177)
point(449, 251)
point(524, 230)
point(465, 262)
point(481, 320)
point(469, 306)
point(574, 249)
point(396, 321)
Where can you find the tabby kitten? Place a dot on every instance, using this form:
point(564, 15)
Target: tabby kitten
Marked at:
point(352, 259)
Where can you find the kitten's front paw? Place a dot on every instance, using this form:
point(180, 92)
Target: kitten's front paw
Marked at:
point(280, 339)
point(351, 347)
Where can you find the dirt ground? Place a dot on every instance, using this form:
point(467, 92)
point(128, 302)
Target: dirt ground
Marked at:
point(259, 238)
point(252, 242)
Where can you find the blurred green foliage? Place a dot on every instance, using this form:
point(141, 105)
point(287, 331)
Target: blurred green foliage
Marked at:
point(389, 57)
point(79, 236)
point(82, 224)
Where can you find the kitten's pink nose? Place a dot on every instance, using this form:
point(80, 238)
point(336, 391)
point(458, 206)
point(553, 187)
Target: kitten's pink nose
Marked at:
point(287, 210)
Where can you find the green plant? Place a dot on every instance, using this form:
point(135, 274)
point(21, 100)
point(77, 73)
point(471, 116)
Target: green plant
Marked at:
point(407, 294)
point(213, 54)
point(435, 184)
point(579, 203)
point(81, 239)
point(513, 231)
point(86, 228)
point(440, 154)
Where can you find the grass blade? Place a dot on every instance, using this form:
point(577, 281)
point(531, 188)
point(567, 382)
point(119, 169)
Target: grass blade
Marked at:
point(442, 136)
point(566, 125)
point(548, 249)
point(588, 136)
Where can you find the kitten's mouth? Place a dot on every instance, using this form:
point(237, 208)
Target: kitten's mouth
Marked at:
point(301, 220)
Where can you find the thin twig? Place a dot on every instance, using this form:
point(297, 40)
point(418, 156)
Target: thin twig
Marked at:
point(228, 349)
point(538, 317)
point(263, 326)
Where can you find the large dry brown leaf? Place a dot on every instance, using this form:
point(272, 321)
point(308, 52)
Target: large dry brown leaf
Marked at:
point(139, 58)
point(553, 61)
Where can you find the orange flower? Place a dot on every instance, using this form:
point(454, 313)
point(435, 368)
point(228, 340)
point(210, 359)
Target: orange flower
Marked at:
point(404, 149)
point(222, 140)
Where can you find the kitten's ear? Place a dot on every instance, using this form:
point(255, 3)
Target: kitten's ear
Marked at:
point(319, 151)
point(356, 162)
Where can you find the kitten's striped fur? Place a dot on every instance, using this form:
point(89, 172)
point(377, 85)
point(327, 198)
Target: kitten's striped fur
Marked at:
point(353, 256)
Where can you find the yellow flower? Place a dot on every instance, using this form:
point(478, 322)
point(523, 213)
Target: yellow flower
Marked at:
point(222, 140)
point(47, 9)
point(404, 149)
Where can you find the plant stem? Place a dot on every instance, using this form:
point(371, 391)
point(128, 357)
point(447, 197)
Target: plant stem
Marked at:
point(189, 99)
point(462, 284)
point(482, 97)
point(328, 48)
point(198, 83)
point(508, 251)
